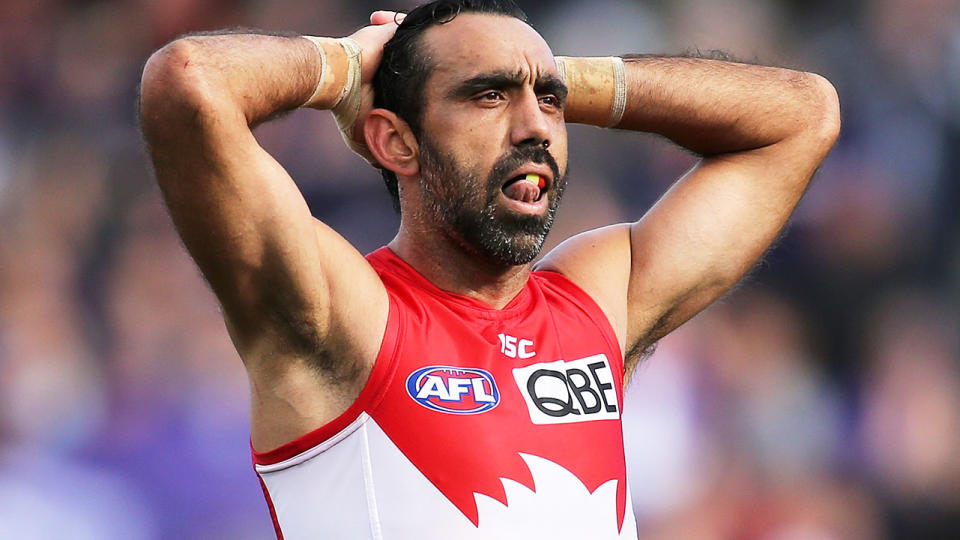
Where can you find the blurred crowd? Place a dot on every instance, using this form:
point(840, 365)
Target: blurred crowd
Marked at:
point(819, 400)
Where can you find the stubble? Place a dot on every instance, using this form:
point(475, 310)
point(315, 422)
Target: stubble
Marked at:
point(466, 205)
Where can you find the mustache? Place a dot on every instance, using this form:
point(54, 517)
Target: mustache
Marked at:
point(519, 156)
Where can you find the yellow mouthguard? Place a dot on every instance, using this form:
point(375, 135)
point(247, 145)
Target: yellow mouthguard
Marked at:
point(533, 179)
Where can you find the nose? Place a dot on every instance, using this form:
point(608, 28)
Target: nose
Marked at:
point(530, 125)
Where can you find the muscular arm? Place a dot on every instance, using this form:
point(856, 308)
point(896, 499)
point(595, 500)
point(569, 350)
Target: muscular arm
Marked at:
point(303, 308)
point(762, 132)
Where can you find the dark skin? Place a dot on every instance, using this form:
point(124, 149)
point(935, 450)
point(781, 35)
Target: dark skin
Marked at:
point(306, 311)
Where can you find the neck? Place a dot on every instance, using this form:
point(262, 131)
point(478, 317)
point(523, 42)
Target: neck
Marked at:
point(452, 268)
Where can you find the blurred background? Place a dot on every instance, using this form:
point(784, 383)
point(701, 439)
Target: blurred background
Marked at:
point(820, 400)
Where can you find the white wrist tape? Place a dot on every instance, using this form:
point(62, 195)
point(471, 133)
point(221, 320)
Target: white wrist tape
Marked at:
point(346, 106)
point(346, 109)
point(561, 67)
point(325, 72)
point(619, 92)
point(586, 74)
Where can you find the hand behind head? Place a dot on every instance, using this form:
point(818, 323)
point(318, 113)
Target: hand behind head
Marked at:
point(371, 40)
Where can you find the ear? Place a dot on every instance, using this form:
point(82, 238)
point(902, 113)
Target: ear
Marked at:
point(392, 142)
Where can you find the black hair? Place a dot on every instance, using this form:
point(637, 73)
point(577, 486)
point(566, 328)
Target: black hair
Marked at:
point(403, 72)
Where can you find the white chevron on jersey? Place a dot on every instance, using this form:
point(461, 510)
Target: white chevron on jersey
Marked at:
point(388, 497)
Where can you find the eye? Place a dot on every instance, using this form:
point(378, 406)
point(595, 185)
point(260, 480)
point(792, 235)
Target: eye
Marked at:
point(550, 100)
point(490, 96)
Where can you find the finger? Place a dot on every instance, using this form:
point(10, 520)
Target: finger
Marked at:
point(384, 17)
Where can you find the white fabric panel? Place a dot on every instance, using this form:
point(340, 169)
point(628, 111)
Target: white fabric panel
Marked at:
point(412, 507)
point(407, 501)
point(327, 494)
point(322, 497)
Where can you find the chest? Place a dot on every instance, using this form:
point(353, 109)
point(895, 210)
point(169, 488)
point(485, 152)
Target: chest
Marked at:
point(483, 389)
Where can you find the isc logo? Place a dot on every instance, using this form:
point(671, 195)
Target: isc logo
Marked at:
point(453, 390)
point(565, 392)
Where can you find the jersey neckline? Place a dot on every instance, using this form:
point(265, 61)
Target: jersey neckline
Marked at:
point(517, 305)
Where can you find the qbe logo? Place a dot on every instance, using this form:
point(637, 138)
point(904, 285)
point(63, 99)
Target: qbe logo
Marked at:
point(453, 390)
point(566, 392)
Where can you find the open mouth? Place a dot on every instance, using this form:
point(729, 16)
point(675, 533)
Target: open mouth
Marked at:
point(527, 188)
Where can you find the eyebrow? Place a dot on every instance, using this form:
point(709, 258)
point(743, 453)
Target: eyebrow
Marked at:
point(503, 80)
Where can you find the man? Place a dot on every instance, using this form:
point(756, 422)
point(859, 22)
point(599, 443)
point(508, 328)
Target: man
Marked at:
point(443, 387)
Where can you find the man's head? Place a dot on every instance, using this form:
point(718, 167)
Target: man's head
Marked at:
point(474, 99)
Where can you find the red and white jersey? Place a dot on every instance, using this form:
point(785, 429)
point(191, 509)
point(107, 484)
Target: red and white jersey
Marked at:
point(475, 423)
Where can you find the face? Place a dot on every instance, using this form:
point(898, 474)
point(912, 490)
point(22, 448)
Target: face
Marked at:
point(493, 148)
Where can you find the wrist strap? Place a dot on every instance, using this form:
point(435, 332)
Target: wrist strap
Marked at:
point(346, 109)
point(346, 105)
point(619, 92)
point(326, 77)
point(561, 67)
point(593, 77)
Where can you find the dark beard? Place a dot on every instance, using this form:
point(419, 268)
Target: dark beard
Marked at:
point(467, 205)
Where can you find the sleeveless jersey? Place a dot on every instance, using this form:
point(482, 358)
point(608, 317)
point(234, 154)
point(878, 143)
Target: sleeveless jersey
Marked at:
point(475, 423)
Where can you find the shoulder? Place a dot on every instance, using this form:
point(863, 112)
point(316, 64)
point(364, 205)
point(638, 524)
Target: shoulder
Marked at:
point(597, 263)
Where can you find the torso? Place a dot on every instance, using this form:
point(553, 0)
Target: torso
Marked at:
point(475, 423)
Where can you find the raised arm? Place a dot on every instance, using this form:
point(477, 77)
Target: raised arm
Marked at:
point(304, 309)
point(762, 132)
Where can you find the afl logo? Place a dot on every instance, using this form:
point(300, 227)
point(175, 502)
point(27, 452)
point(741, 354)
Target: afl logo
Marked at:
point(453, 390)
